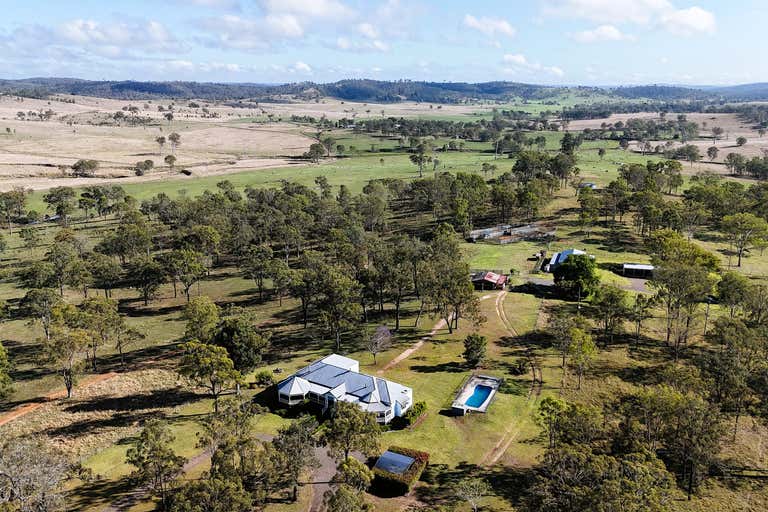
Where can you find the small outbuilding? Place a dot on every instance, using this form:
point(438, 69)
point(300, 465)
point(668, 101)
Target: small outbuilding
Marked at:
point(559, 258)
point(637, 270)
point(489, 280)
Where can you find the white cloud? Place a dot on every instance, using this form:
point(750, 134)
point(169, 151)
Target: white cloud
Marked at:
point(285, 25)
point(555, 71)
point(344, 43)
point(112, 38)
point(181, 65)
point(491, 27)
point(601, 33)
point(689, 21)
point(517, 62)
point(648, 13)
point(516, 58)
point(246, 34)
point(302, 67)
point(307, 8)
point(368, 30)
point(607, 11)
point(216, 4)
point(280, 21)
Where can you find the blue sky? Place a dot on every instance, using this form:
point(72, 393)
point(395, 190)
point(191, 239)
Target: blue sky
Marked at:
point(538, 41)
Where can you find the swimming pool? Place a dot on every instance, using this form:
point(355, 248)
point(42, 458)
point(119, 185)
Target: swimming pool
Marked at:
point(476, 394)
point(479, 396)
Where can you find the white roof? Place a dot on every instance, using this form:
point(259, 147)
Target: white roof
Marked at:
point(339, 376)
point(340, 361)
point(638, 266)
point(294, 386)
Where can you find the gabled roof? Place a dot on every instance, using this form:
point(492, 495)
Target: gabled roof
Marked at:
point(346, 385)
point(294, 386)
point(329, 376)
point(637, 266)
point(490, 277)
point(340, 361)
point(563, 255)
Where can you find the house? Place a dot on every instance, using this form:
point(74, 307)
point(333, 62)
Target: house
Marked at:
point(488, 281)
point(637, 270)
point(338, 378)
point(559, 257)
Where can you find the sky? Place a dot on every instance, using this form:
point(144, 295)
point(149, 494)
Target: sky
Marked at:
point(573, 42)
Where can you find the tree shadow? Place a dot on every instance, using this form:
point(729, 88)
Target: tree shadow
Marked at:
point(538, 290)
point(152, 357)
point(89, 426)
point(507, 483)
point(166, 397)
point(449, 367)
point(25, 358)
point(97, 490)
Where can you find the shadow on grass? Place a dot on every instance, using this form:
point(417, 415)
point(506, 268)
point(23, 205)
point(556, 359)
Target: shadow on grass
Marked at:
point(537, 289)
point(90, 426)
point(100, 491)
point(449, 367)
point(508, 483)
point(165, 397)
point(25, 358)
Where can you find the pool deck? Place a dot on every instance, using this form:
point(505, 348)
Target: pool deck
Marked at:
point(460, 406)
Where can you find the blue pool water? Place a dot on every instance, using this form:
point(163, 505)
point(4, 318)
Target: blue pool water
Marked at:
point(479, 396)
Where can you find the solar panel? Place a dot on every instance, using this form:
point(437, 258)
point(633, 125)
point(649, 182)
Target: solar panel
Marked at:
point(395, 463)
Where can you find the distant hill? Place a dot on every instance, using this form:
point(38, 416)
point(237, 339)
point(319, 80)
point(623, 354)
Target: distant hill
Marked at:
point(352, 90)
point(366, 90)
point(660, 92)
point(745, 92)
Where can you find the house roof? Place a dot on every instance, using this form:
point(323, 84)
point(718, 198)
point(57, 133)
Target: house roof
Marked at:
point(330, 376)
point(561, 256)
point(490, 277)
point(340, 361)
point(637, 266)
point(345, 384)
point(294, 386)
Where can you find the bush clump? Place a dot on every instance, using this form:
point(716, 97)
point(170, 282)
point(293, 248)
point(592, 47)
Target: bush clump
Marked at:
point(511, 387)
point(264, 378)
point(393, 484)
point(415, 412)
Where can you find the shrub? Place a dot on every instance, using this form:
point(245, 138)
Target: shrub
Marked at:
point(475, 347)
point(520, 367)
point(511, 387)
point(264, 378)
point(398, 484)
point(415, 412)
point(408, 419)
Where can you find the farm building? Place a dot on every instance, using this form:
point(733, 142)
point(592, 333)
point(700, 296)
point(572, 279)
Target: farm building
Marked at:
point(559, 257)
point(337, 378)
point(494, 232)
point(488, 280)
point(505, 233)
point(638, 270)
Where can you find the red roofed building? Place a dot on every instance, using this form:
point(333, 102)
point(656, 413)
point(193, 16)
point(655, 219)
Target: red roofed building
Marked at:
point(489, 281)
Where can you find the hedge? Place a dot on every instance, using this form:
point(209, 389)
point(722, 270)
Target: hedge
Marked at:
point(401, 484)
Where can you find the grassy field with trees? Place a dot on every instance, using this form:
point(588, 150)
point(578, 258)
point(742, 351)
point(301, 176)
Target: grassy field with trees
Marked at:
point(145, 325)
